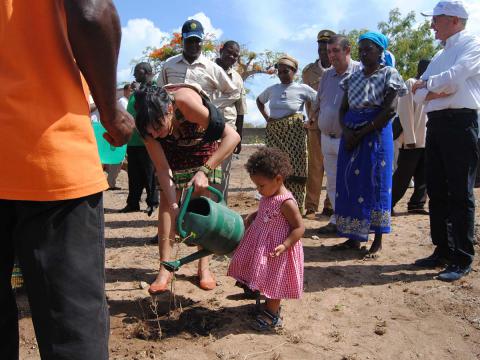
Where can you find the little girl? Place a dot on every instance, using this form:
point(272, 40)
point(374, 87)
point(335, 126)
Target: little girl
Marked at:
point(269, 259)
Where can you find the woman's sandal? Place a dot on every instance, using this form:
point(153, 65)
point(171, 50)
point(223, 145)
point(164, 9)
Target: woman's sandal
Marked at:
point(266, 321)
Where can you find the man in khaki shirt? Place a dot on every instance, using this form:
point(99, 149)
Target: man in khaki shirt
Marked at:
point(233, 114)
point(311, 76)
point(192, 67)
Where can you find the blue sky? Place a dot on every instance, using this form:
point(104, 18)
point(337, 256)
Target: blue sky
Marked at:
point(281, 25)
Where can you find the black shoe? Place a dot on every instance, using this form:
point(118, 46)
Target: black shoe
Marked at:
point(327, 229)
point(418, 211)
point(454, 272)
point(151, 209)
point(154, 240)
point(432, 261)
point(327, 212)
point(129, 209)
point(114, 188)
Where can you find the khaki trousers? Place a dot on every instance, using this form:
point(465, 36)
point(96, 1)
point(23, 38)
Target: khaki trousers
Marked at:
point(315, 172)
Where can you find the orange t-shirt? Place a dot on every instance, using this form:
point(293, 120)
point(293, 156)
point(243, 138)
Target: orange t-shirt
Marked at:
point(47, 145)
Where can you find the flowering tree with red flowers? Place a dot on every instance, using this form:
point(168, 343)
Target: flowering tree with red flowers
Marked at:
point(249, 64)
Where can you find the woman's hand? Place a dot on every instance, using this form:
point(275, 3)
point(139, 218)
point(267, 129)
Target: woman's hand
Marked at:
point(199, 181)
point(280, 249)
point(350, 139)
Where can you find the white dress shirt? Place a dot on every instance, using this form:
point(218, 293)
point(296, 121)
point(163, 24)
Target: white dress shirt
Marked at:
point(413, 119)
point(204, 72)
point(454, 70)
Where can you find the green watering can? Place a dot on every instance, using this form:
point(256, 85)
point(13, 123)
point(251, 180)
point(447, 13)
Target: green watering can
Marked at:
point(209, 224)
point(109, 154)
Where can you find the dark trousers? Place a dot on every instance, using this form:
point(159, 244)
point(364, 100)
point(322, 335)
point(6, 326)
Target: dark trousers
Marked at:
point(141, 175)
point(451, 157)
point(411, 163)
point(61, 249)
point(477, 180)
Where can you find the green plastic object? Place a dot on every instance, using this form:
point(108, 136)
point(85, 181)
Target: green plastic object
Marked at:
point(109, 154)
point(209, 224)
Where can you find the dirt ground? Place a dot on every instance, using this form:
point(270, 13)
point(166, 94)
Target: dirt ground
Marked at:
point(351, 309)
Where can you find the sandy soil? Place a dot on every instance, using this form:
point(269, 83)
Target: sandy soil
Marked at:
point(351, 309)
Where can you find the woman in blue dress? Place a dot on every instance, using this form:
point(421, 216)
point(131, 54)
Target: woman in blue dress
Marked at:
point(365, 159)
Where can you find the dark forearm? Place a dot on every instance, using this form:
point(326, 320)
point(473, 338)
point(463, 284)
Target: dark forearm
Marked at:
point(239, 125)
point(343, 110)
point(94, 33)
point(387, 112)
point(261, 108)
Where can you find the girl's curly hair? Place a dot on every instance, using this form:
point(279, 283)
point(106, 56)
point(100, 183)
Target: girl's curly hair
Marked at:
point(269, 162)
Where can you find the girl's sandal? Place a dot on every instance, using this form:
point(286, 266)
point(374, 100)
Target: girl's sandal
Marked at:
point(266, 321)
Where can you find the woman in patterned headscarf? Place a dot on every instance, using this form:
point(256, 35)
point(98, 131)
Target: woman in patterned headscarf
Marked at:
point(364, 168)
point(285, 123)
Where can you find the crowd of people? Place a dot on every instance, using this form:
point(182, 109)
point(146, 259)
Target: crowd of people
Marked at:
point(182, 127)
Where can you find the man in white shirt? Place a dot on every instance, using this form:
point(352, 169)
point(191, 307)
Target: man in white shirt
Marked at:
point(450, 90)
point(329, 100)
point(192, 67)
point(411, 158)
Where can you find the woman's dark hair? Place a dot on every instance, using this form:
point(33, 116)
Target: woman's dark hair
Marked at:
point(269, 162)
point(151, 104)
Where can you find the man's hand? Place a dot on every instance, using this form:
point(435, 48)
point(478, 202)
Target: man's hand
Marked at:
point(433, 96)
point(419, 84)
point(119, 129)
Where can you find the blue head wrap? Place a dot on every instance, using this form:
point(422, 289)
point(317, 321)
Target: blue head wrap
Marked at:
point(382, 41)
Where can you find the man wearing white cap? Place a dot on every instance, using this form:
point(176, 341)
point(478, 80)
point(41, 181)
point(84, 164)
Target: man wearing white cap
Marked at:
point(450, 91)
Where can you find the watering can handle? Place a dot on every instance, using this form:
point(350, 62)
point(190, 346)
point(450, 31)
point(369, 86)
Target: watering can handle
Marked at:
point(186, 201)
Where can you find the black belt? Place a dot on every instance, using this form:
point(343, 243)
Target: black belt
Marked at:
point(331, 135)
point(450, 112)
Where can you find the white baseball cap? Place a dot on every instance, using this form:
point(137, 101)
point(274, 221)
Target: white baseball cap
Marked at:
point(450, 8)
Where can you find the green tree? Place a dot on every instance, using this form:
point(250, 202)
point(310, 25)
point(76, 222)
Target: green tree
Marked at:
point(408, 42)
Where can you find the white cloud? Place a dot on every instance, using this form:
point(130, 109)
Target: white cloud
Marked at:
point(124, 75)
point(136, 37)
point(207, 24)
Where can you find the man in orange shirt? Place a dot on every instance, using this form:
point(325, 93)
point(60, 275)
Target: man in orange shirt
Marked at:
point(51, 211)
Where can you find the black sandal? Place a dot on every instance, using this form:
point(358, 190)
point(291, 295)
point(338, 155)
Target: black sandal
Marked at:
point(266, 321)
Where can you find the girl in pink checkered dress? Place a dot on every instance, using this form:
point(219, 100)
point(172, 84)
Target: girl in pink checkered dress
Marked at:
point(269, 259)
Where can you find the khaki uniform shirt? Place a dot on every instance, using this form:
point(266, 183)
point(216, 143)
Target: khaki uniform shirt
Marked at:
point(204, 72)
point(311, 75)
point(240, 106)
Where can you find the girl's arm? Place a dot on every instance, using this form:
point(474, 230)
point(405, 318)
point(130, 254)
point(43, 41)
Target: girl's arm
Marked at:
point(291, 212)
point(164, 173)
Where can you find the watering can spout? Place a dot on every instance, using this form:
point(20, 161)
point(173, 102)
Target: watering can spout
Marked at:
point(176, 264)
